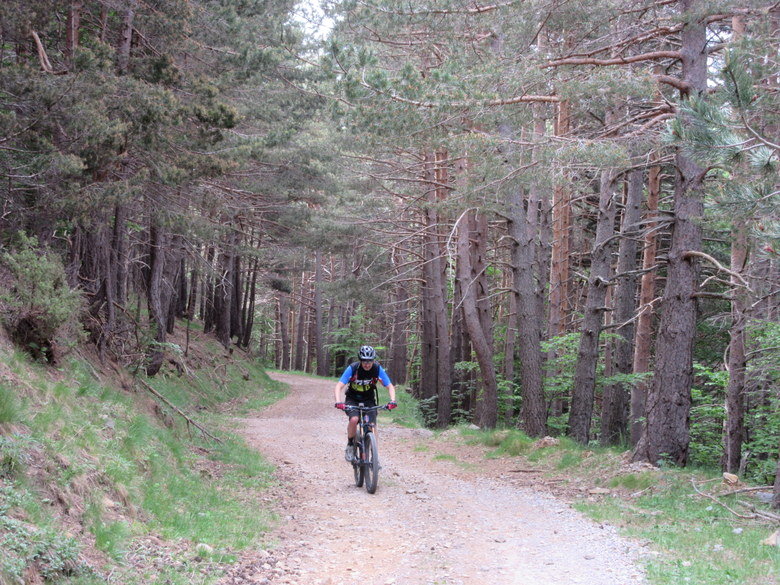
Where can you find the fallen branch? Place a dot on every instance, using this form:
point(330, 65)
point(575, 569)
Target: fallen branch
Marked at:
point(762, 513)
point(761, 488)
point(179, 411)
point(717, 501)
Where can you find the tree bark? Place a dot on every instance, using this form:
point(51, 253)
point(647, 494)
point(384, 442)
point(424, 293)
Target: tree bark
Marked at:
point(208, 300)
point(561, 240)
point(436, 367)
point(72, 33)
point(250, 305)
point(236, 323)
point(510, 339)
point(471, 267)
point(734, 431)
point(776, 493)
point(584, 391)
point(523, 254)
point(223, 295)
point(300, 333)
point(666, 434)
point(319, 321)
point(615, 403)
point(399, 341)
point(126, 40)
point(164, 260)
point(644, 328)
point(284, 330)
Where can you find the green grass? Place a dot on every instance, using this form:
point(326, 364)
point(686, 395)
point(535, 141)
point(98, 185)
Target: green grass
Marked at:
point(634, 481)
point(10, 409)
point(504, 442)
point(700, 542)
point(114, 456)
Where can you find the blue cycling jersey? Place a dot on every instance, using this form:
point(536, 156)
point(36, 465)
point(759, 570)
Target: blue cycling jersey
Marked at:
point(348, 373)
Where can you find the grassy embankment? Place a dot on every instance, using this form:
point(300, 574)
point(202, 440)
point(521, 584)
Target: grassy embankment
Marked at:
point(691, 538)
point(99, 477)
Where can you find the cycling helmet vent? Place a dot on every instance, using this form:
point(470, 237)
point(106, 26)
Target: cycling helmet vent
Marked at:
point(367, 353)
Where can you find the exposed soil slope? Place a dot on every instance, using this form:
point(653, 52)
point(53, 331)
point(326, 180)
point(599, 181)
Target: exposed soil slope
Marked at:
point(431, 521)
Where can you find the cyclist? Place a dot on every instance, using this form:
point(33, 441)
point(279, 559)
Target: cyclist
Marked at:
point(359, 380)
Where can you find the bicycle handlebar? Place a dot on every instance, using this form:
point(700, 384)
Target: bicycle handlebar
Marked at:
point(365, 408)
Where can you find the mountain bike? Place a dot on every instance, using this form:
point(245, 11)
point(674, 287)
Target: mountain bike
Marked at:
point(365, 463)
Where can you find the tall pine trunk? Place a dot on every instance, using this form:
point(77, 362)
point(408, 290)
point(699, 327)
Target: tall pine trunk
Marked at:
point(530, 320)
point(643, 338)
point(436, 366)
point(666, 433)
point(584, 391)
point(471, 271)
point(734, 431)
point(319, 321)
point(614, 408)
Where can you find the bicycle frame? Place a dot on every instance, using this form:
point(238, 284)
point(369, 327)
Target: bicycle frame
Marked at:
point(364, 421)
point(366, 466)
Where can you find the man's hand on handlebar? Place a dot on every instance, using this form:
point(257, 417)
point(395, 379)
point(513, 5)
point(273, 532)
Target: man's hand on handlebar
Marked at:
point(340, 406)
point(391, 405)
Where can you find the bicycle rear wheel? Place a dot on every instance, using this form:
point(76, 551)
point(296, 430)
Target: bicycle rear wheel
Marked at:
point(358, 468)
point(372, 463)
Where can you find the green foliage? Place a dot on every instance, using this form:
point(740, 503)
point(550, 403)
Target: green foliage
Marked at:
point(15, 453)
point(561, 368)
point(108, 451)
point(53, 553)
point(39, 302)
point(707, 414)
point(347, 340)
point(408, 413)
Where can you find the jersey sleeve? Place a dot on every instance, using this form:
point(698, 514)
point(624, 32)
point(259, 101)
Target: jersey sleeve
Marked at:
point(346, 375)
point(383, 377)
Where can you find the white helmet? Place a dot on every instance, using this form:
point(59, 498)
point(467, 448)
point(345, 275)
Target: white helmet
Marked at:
point(367, 353)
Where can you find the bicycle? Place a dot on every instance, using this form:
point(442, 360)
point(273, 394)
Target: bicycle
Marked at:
point(365, 463)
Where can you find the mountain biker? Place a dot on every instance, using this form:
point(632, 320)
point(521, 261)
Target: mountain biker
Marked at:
point(359, 379)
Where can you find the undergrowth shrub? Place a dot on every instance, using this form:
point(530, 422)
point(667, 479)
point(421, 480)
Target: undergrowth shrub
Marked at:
point(25, 547)
point(14, 454)
point(38, 304)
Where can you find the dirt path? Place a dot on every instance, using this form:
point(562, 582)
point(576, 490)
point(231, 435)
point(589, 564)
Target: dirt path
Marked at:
point(431, 522)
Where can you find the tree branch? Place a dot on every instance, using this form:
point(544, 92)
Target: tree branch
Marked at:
point(477, 9)
point(718, 265)
point(652, 56)
point(674, 82)
point(475, 104)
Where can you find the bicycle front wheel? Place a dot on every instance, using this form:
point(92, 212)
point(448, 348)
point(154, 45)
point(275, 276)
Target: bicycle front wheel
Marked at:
point(357, 464)
point(372, 463)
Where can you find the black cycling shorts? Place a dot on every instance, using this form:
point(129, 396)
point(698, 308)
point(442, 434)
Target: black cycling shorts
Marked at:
point(355, 412)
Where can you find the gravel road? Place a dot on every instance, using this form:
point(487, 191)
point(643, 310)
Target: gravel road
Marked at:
point(433, 520)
